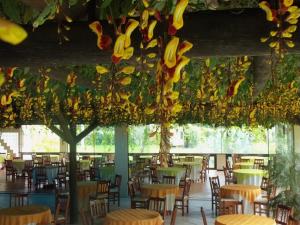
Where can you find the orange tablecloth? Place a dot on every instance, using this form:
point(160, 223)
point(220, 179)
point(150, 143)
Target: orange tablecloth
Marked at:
point(243, 219)
point(84, 190)
point(24, 215)
point(249, 192)
point(133, 217)
point(159, 190)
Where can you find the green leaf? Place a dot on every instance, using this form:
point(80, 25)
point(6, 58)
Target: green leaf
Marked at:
point(12, 9)
point(47, 12)
point(105, 3)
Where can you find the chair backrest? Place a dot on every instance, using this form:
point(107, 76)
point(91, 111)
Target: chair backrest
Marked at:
point(40, 171)
point(244, 160)
point(226, 172)
point(28, 164)
point(19, 199)
point(188, 171)
point(264, 183)
point(98, 208)
point(174, 215)
point(189, 158)
point(228, 164)
point(228, 207)
point(158, 205)
point(282, 214)
point(215, 188)
point(214, 179)
point(63, 206)
point(62, 170)
point(85, 217)
point(131, 189)
point(118, 180)
point(203, 216)
point(259, 161)
point(102, 187)
point(8, 164)
point(187, 187)
point(136, 183)
point(169, 179)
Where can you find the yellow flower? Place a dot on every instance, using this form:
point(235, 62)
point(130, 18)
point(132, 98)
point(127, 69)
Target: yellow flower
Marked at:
point(127, 70)
point(144, 19)
point(128, 53)
point(183, 62)
point(266, 7)
point(124, 96)
point(125, 81)
point(149, 110)
point(178, 14)
point(170, 52)
point(288, 3)
point(152, 44)
point(11, 32)
point(101, 69)
point(174, 95)
point(119, 48)
point(2, 78)
point(184, 47)
point(151, 29)
point(131, 27)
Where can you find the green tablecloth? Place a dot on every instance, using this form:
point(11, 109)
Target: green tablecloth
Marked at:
point(19, 165)
point(249, 176)
point(107, 173)
point(244, 165)
point(84, 164)
point(195, 168)
point(178, 172)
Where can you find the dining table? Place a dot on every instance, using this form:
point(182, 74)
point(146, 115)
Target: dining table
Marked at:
point(195, 168)
point(249, 176)
point(168, 191)
point(84, 190)
point(178, 172)
point(244, 219)
point(24, 215)
point(133, 217)
point(247, 193)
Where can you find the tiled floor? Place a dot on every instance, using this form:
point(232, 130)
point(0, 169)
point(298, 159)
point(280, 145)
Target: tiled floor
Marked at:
point(200, 196)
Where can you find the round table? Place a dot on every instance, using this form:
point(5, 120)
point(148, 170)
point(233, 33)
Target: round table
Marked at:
point(106, 173)
point(133, 217)
point(244, 219)
point(240, 191)
point(195, 168)
point(244, 165)
point(24, 215)
point(249, 176)
point(178, 172)
point(169, 191)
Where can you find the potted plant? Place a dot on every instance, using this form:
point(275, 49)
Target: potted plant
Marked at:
point(285, 175)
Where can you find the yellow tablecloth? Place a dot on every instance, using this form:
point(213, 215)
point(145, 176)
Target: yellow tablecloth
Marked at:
point(84, 190)
point(244, 219)
point(24, 215)
point(249, 192)
point(133, 217)
point(159, 190)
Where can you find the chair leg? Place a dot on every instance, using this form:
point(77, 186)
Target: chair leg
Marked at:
point(118, 199)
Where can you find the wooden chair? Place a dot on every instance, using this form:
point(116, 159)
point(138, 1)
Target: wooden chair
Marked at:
point(136, 201)
point(229, 179)
point(27, 167)
point(229, 166)
point(19, 199)
point(173, 217)
point(203, 216)
point(62, 176)
point(9, 170)
point(244, 160)
point(114, 190)
point(182, 201)
point(213, 193)
point(227, 207)
point(97, 210)
point(102, 192)
point(158, 205)
point(264, 185)
point(153, 175)
point(203, 171)
point(262, 206)
point(282, 214)
point(258, 163)
point(62, 209)
point(40, 176)
point(293, 221)
point(169, 179)
point(85, 217)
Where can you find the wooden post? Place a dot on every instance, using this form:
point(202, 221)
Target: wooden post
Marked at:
point(73, 178)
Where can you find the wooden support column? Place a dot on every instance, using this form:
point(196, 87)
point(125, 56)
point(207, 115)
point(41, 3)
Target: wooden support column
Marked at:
point(121, 157)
